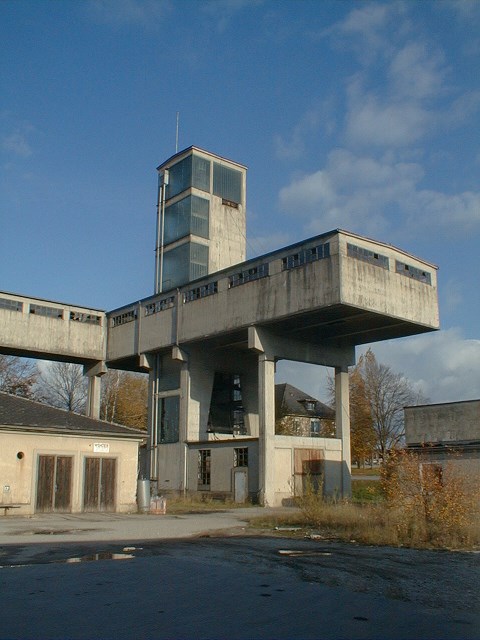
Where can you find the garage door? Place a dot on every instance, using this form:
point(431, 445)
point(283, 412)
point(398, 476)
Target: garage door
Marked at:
point(99, 484)
point(54, 483)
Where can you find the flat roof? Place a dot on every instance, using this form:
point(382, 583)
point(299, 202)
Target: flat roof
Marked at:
point(192, 148)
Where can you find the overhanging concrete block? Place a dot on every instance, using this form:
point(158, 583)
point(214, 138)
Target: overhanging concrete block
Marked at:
point(275, 346)
point(97, 369)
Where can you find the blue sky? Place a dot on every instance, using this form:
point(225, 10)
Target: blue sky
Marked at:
point(356, 115)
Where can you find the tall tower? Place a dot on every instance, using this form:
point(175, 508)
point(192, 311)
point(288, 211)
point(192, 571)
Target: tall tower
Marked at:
point(201, 221)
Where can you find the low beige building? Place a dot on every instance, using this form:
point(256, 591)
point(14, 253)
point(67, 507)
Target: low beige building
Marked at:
point(447, 433)
point(56, 460)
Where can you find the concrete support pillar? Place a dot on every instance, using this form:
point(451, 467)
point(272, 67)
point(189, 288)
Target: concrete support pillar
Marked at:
point(266, 402)
point(94, 373)
point(152, 457)
point(183, 420)
point(93, 397)
point(342, 426)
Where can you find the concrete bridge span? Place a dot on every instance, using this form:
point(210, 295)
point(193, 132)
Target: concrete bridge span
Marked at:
point(333, 291)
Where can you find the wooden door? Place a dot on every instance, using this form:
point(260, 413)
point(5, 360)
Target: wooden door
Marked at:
point(99, 484)
point(54, 483)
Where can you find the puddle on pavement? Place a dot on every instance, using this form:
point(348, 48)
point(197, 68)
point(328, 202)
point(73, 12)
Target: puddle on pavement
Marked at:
point(297, 553)
point(103, 555)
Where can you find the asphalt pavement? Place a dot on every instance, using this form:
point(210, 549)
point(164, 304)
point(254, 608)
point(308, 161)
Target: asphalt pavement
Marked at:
point(141, 576)
point(66, 527)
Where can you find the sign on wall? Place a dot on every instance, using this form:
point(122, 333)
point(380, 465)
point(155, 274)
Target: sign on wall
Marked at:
point(101, 447)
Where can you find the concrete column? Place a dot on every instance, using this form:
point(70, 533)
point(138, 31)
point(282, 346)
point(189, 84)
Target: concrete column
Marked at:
point(93, 397)
point(266, 402)
point(342, 426)
point(183, 420)
point(152, 457)
point(94, 373)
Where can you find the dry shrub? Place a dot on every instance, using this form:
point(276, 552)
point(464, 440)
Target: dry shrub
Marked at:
point(365, 523)
point(430, 503)
point(423, 507)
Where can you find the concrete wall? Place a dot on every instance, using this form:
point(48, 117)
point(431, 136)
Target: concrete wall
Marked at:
point(456, 462)
point(20, 475)
point(76, 334)
point(222, 465)
point(227, 244)
point(449, 422)
point(372, 287)
point(383, 297)
point(286, 482)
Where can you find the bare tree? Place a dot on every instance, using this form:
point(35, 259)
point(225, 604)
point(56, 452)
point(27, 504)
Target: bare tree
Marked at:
point(63, 385)
point(18, 376)
point(387, 393)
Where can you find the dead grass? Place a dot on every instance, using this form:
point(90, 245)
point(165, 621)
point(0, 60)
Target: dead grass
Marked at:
point(411, 507)
point(372, 524)
point(194, 504)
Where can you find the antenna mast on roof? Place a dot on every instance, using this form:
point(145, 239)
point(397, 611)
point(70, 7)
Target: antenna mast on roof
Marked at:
point(176, 134)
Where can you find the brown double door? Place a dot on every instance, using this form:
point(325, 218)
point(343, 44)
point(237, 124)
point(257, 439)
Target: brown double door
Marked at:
point(54, 483)
point(99, 484)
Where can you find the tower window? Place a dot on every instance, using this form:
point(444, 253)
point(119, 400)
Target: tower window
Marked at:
point(227, 183)
point(187, 216)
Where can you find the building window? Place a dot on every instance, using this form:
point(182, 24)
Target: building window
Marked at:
point(305, 256)
point(159, 305)
point(227, 414)
point(168, 419)
point(49, 312)
point(124, 318)
point(88, 318)
point(315, 428)
point(182, 264)
point(201, 292)
point(413, 272)
point(192, 171)
point(240, 457)
point(187, 216)
point(201, 173)
point(204, 465)
point(227, 183)
point(11, 305)
point(360, 253)
point(248, 275)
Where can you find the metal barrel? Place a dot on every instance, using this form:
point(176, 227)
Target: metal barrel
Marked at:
point(143, 495)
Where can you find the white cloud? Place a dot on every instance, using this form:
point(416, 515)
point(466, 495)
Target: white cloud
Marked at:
point(17, 144)
point(363, 30)
point(222, 11)
point(292, 147)
point(444, 366)
point(417, 72)
point(371, 196)
point(371, 121)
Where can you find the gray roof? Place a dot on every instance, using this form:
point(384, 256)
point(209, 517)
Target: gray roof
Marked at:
point(290, 401)
point(20, 413)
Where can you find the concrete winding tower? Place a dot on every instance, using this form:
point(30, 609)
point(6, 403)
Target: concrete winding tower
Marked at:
point(201, 225)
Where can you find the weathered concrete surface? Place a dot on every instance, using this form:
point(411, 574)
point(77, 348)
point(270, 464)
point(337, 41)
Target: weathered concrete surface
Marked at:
point(338, 298)
point(444, 423)
point(241, 588)
point(87, 527)
point(39, 328)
